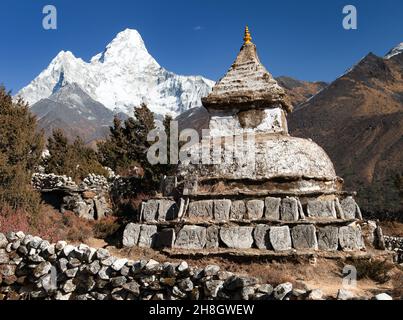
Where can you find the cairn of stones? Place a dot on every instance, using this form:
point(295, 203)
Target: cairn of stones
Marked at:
point(88, 200)
point(286, 197)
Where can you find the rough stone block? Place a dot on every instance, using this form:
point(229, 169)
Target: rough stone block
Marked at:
point(148, 235)
point(201, 209)
point(321, 209)
point(280, 238)
point(261, 236)
point(131, 235)
point(328, 238)
point(254, 209)
point(304, 237)
point(165, 238)
point(350, 238)
point(238, 210)
point(237, 237)
point(222, 210)
point(272, 208)
point(212, 236)
point(191, 237)
point(349, 207)
point(167, 210)
point(150, 210)
point(289, 209)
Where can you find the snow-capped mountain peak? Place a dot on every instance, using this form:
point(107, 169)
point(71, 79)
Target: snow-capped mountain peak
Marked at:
point(121, 77)
point(395, 51)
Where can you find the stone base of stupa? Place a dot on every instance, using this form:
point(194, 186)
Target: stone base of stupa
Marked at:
point(276, 224)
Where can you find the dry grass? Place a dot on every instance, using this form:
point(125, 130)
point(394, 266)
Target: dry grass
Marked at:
point(392, 228)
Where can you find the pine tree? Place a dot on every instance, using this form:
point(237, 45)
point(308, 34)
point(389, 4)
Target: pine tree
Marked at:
point(127, 148)
point(75, 160)
point(21, 146)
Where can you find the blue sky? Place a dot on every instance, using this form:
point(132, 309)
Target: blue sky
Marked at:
point(302, 39)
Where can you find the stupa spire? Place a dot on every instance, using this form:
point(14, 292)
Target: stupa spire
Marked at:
point(247, 37)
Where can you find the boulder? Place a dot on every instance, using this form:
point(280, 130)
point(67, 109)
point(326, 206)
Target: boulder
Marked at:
point(222, 210)
point(212, 237)
point(272, 208)
point(304, 237)
point(237, 237)
point(289, 209)
point(254, 209)
point(131, 235)
point(282, 290)
point(168, 210)
point(261, 236)
point(238, 210)
point(191, 237)
point(321, 209)
point(280, 238)
point(383, 297)
point(148, 235)
point(349, 207)
point(328, 238)
point(150, 210)
point(201, 209)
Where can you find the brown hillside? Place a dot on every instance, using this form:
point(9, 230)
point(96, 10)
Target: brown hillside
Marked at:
point(358, 119)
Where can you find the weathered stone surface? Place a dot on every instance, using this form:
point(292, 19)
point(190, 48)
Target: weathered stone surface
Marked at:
point(238, 210)
point(304, 237)
point(349, 207)
point(212, 237)
point(118, 264)
point(328, 238)
point(272, 208)
point(168, 210)
point(4, 256)
point(289, 209)
point(131, 235)
point(42, 269)
point(237, 237)
point(3, 241)
point(212, 287)
point(201, 209)
point(339, 209)
point(282, 290)
point(150, 210)
point(344, 294)
point(191, 237)
point(321, 209)
point(166, 238)
point(348, 238)
point(222, 210)
point(254, 209)
point(383, 297)
point(316, 294)
point(148, 235)
point(280, 238)
point(133, 287)
point(261, 236)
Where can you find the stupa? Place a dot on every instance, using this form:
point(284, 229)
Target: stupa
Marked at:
point(280, 193)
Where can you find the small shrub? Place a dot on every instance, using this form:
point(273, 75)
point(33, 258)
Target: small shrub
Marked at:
point(77, 229)
point(106, 228)
point(376, 270)
point(14, 220)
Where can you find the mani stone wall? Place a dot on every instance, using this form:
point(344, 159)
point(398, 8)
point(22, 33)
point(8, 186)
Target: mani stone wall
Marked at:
point(268, 224)
point(32, 268)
